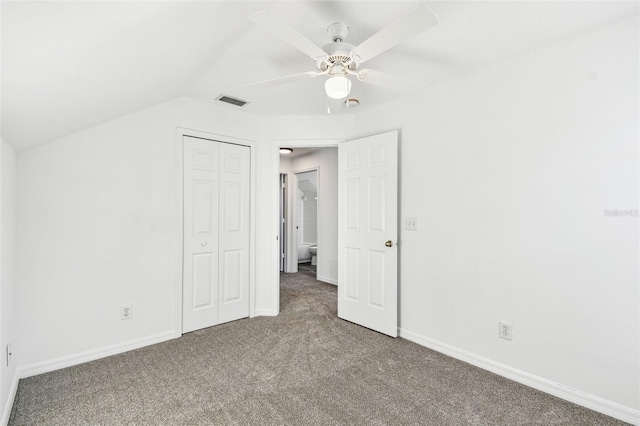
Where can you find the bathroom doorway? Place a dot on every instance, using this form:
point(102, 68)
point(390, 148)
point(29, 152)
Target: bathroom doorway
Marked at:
point(306, 215)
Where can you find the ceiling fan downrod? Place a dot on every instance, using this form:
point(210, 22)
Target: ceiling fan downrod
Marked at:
point(338, 31)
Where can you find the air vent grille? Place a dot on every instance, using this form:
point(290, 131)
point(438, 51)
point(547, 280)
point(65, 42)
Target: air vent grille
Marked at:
point(231, 100)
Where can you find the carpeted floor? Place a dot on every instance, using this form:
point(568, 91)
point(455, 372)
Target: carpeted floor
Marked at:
point(305, 366)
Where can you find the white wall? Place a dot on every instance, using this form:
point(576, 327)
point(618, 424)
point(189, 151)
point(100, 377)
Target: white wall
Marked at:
point(510, 171)
point(309, 218)
point(285, 164)
point(97, 228)
point(311, 176)
point(7, 275)
point(307, 204)
point(326, 161)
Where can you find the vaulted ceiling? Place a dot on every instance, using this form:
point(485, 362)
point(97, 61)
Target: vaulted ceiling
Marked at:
point(69, 65)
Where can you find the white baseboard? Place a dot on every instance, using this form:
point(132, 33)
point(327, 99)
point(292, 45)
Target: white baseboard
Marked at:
point(592, 402)
point(92, 355)
point(75, 359)
point(265, 313)
point(327, 280)
point(12, 396)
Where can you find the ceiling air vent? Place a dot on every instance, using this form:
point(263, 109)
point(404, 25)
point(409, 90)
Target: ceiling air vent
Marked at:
point(232, 101)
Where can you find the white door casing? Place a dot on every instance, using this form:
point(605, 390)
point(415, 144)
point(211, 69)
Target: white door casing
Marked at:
point(216, 233)
point(367, 220)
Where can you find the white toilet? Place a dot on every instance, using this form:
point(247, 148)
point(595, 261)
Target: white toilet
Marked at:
point(314, 251)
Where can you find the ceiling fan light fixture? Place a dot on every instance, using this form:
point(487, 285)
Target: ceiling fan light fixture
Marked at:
point(338, 87)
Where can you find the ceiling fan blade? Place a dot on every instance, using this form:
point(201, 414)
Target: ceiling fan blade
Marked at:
point(391, 82)
point(277, 26)
point(419, 20)
point(283, 80)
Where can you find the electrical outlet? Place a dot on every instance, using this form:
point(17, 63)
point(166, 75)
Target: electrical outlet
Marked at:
point(411, 223)
point(505, 330)
point(125, 312)
point(9, 354)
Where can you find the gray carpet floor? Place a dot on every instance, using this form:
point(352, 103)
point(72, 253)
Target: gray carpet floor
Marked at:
point(302, 367)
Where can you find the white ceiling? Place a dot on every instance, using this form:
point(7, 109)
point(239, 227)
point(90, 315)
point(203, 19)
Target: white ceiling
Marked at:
point(70, 65)
point(299, 152)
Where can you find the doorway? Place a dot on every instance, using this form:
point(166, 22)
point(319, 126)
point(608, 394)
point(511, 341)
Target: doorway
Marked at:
point(309, 234)
point(305, 204)
point(367, 228)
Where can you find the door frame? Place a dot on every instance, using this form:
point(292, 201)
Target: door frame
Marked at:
point(179, 241)
point(276, 144)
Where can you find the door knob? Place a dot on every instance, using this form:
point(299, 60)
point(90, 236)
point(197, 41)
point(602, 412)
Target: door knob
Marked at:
point(389, 243)
point(204, 243)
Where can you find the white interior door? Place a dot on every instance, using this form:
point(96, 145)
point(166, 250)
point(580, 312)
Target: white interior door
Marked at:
point(233, 232)
point(216, 233)
point(368, 232)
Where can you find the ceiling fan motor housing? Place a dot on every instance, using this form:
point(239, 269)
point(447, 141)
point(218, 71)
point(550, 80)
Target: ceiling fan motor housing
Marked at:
point(338, 53)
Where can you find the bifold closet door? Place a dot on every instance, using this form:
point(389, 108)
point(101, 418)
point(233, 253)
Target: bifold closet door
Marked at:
point(216, 233)
point(233, 234)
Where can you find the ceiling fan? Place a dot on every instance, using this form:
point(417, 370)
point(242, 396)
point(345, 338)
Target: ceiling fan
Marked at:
point(339, 60)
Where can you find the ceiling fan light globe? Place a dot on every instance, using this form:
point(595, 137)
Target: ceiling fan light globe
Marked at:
point(338, 87)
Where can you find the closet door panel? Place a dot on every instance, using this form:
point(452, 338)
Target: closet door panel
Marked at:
point(234, 232)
